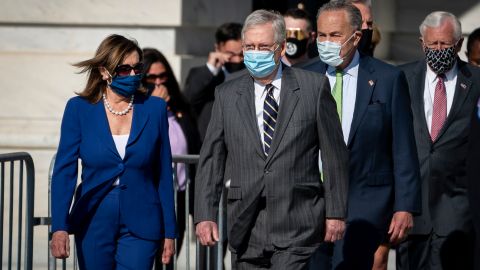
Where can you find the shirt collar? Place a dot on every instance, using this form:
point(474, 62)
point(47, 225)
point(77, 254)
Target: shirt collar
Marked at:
point(449, 75)
point(277, 82)
point(351, 69)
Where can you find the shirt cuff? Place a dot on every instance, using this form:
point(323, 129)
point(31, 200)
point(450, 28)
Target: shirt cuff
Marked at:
point(213, 69)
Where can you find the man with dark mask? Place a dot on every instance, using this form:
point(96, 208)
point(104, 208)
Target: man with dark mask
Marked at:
point(300, 36)
point(221, 64)
point(366, 45)
point(444, 91)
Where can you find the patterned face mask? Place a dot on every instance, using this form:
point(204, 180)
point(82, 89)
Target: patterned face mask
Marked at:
point(441, 61)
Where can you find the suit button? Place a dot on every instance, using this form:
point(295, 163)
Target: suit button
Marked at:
point(120, 166)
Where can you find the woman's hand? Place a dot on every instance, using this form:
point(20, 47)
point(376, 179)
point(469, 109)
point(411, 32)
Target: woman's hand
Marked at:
point(168, 250)
point(161, 91)
point(60, 245)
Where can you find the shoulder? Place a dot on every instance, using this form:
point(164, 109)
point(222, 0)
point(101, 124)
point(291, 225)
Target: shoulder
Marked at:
point(314, 64)
point(77, 103)
point(151, 102)
point(307, 76)
point(203, 69)
point(379, 66)
point(240, 81)
point(410, 66)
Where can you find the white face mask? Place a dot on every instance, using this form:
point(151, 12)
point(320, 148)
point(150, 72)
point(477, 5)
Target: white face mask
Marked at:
point(329, 52)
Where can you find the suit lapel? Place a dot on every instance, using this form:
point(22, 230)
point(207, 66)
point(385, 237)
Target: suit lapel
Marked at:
point(139, 120)
point(99, 120)
point(288, 102)
point(246, 108)
point(417, 87)
point(365, 85)
point(461, 92)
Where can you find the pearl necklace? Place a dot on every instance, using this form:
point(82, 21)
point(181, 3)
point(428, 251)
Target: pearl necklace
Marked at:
point(120, 113)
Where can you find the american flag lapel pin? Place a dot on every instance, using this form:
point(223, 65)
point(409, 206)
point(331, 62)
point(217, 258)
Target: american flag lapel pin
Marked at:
point(371, 82)
point(464, 86)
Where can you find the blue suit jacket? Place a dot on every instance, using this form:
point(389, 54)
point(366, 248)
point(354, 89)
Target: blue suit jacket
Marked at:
point(146, 200)
point(384, 171)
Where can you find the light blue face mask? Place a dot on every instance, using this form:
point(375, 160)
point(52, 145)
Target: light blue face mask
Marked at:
point(260, 63)
point(329, 52)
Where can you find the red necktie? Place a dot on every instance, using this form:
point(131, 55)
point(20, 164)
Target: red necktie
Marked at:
point(439, 108)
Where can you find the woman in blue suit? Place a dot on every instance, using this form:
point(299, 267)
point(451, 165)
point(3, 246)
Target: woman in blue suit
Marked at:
point(123, 211)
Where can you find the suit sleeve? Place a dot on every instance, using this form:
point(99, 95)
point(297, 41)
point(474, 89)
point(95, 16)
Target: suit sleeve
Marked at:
point(65, 171)
point(405, 158)
point(199, 86)
point(165, 186)
point(334, 154)
point(211, 167)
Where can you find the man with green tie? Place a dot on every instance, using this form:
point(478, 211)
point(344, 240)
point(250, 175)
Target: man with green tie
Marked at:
point(374, 108)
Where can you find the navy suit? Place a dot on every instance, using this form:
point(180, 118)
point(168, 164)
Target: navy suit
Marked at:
point(384, 172)
point(145, 194)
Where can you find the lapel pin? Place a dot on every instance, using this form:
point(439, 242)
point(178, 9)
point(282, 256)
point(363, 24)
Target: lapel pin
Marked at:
point(371, 82)
point(464, 86)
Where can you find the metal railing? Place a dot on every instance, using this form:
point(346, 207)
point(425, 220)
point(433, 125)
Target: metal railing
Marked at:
point(177, 159)
point(17, 180)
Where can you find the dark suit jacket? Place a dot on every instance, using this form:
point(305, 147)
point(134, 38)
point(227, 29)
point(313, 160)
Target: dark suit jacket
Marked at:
point(445, 205)
point(146, 199)
point(384, 174)
point(200, 93)
point(297, 202)
point(473, 175)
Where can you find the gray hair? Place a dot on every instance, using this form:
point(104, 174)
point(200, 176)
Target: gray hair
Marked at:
point(437, 18)
point(261, 17)
point(353, 12)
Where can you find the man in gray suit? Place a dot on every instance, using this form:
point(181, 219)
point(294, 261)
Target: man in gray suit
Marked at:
point(266, 130)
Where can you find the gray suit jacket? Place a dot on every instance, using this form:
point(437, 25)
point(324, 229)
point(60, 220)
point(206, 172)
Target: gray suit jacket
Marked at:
point(445, 205)
point(297, 202)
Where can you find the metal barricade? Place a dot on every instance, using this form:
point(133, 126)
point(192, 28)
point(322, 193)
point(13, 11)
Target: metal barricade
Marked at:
point(218, 265)
point(17, 179)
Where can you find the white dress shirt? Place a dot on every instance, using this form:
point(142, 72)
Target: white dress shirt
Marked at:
point(120, 144)
point(429, 93)
point(349, 92)
point(261, 94)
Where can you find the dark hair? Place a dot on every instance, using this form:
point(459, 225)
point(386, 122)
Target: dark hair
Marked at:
point(474, 36)
point(110, 53)
point(301, 14)
point(353, 12)
point(228, 31)
point(177, 102)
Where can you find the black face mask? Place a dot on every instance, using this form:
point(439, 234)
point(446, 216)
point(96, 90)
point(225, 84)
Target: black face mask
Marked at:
point(149, 87)
point(365, 45)
point(296, 48)
point(234, 67)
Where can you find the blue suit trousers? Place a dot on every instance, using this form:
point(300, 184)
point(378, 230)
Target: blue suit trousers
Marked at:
point(106, 243)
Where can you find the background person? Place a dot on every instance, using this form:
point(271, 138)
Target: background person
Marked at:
point(221, 64)
point(300, 36)
point(184, 139)
point(473, 48)
point(123, 209)
point(444, 91)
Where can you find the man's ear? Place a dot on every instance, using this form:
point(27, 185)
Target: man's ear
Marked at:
point(459, 45)
point(358, 36)
point(218, 46)
point(421, 43)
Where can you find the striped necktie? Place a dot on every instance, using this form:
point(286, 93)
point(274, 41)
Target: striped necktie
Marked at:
point(270, 111)
point(338, 92)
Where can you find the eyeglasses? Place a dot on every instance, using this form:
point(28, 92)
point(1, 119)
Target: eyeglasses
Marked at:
point(125, 70)
point(440, 44)
point(296, 33)
point(261, 47)
point(153, 77)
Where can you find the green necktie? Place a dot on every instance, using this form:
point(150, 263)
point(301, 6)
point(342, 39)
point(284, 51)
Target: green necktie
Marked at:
point(337, 91)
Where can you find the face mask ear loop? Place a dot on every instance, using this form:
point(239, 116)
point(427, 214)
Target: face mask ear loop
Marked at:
point(109, 80)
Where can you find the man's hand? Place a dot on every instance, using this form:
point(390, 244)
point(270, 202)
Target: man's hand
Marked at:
point(217, 59)
point(207, 233)
point(402, 223)
point(168, 250)
point(60, 245)
point(334, 230)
